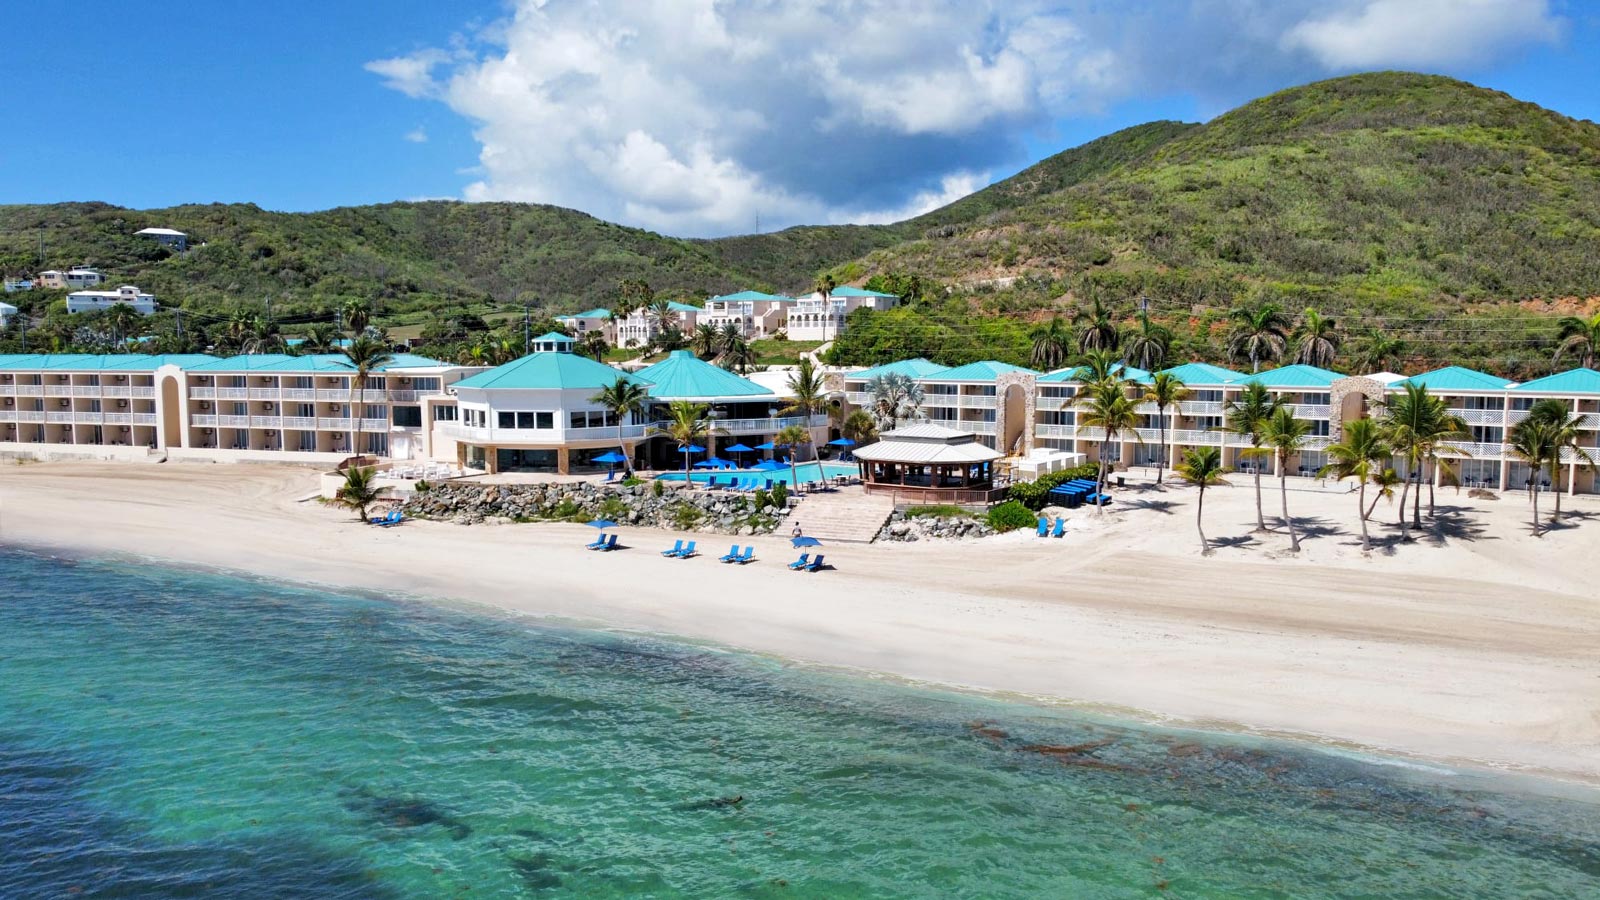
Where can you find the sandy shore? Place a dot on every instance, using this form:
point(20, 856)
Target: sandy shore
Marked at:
point(1475, 646)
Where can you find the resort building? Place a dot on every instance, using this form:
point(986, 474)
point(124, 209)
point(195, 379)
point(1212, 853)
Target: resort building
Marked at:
point(77, 278)
point(753, 314)
point(538, 413)
point(597, 319)
point(990, 399)
point(639, 327)
point(815, 317)
point(88, 301)
point(177, 240)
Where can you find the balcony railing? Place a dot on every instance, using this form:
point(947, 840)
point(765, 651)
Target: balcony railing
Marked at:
point(144, 418)
point(980, 401)
point(968, 425)
point(203, 393)
point(203, 421)
point(233, 393)
point(144, 392)
point(234, 421)
point(1199, 438)
point(117, 390)
point(1305, 411)
point(28, 390)
point(58, 390)
point(1480, 416)
point(299, 393)
point(1057, 431)
point(263, 393)
point(1200, 407)
point(1050, 404)
point(62, 417)
point(301, 422)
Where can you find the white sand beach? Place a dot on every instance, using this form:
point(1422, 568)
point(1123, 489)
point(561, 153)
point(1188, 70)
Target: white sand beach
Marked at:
point(1476, 646)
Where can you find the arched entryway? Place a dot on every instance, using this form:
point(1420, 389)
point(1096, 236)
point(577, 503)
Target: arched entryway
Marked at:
point(171, 414)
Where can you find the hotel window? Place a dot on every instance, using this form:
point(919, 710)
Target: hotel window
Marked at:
point(525, 420)
point(506, 420)
point(546, 420)
point(241, 409)
point(305, 410)
point(444, 413)
point(408, 416)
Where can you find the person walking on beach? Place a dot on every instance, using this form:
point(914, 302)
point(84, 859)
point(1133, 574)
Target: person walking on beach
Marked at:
point(796, 532)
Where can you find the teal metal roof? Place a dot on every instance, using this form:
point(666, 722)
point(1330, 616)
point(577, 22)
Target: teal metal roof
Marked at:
point(983, 370)
point(557, 336)
point(684, 376)
point(278, 362)
point(1299, 375)
point(1061, 376)
point(1458, 378)
point(599, 312)
point(912, 368)
point(751, 295)
point(848, 291)
point(85, 362)
point(548, 372)
point(675, 306)
point(1203, 373)
point(1572, 381)
point(412, 361)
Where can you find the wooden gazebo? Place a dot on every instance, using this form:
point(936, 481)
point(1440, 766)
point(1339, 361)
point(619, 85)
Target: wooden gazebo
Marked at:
point(930, 464)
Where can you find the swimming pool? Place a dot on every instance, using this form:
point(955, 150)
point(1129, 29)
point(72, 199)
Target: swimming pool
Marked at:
point(807, 471)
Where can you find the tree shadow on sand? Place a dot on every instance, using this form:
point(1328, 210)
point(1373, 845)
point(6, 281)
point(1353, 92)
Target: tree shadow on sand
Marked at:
point(1570, 519)
point(1165, 507)
point(1312, 528)
point(1234, 540)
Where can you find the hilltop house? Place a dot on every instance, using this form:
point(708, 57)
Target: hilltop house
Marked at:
point(597, 319)
point(77, 278)
point(88, 301)
point(641, 326)
point(813, 317)
point(751, 313)
point(177, 240)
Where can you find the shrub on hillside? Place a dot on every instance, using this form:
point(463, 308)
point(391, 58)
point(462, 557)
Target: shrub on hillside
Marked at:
point(1011, 515)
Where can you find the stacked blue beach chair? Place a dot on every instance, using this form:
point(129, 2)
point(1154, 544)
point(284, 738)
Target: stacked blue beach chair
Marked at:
point(1077, 492)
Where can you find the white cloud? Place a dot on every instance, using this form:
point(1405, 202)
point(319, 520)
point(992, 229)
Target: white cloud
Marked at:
point(1422, 33)
point(417, 135)
point(696, 117)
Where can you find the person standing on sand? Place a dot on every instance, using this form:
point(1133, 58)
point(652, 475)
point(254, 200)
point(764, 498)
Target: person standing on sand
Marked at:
point(796, 532)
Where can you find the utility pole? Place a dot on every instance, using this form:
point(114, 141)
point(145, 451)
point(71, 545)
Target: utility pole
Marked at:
point(22, 319)
point(41, 245)
point(527, 319)
point(179, 314)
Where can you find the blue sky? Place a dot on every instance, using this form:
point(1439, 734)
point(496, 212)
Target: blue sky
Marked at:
point(687, 119)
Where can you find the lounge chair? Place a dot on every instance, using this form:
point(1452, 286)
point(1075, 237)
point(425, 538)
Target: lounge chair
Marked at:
point(610, 544)
point(731, 555)
point(801, 562)
point(677, 548)
point(816, 564)
point(687, 551)
point(390, 518)
point(598, 543)
point(749, 553)
point(1061, 527)
point(1044, 526)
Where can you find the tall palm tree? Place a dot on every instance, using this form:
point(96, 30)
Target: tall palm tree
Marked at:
point(1360, 455)
point(623, 399)
point(1580, 338)
point(728, 337)
point(321, 337)
point(706, 340)
point(1098, 365)
point(360, 489)
point(688, 423)
point(1165, 390)
point(1098, 332)
point(859, 427)
point(662, 314)
point(1286, 434)
point(894, 398)
point(1533, 442)
point(594, 345)
point(1564, 436)
point(1247, 415)
point(357, 315)
point(1418, 425)
point(1316, 339)
point(824, 285)
point(124, 323)
point(1260, 332)
point(1148, 345)
point(366, 356)
point(1052, 341)
point(792, 437)
point(1202, 467)
point(739, 356)
point(1107, 406)
point(1380, 352)
point(808, 394)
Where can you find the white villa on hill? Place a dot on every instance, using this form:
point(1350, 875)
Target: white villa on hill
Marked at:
point(76, 278)
point(88, 301)
point(639, 327)
point(813, 317)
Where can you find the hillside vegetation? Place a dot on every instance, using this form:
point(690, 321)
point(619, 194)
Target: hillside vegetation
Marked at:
point(1454, 218)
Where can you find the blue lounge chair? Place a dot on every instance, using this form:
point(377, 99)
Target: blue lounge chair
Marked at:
point(387, 519)
point(598, 543)
point(749, 552)
point(610, 543)
point(1044, 526)
point(611, 475)
point(687, 551)
point(1061, 527)
point(677, 548)
point(801, 562)
point(816, 564)
point(731, 555)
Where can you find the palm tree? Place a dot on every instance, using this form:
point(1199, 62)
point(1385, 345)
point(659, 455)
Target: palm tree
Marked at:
point(1416, 424)
point(321, 337)
point(1147, 346)
point(1260, 332)
point(365, 355)
point(896, 398)
point(1247, 415)
point(1165, 390)
point(1533, 442)
point(1098, 365)
point(473, 354)
point(1317, 339)
point(808, 394)
point(792, 436)
point(594, 345)
point(1285, 434)
point(357, 314)
point(623, 398)
point(1202, 467)
point(688, 424)
point(1564, 436)
point(1107, 406)
point(1580, 338)
point(859, 427)
point(1099, 331)
point(662, 314)
point(740, 356)
point(1383, 487)
point(824, 285)
point(124, 322)
point(360, 489)
point(1361, 455)
point(1380, 352)
point(730, 335)
point(706, 341)
point(1051, 343)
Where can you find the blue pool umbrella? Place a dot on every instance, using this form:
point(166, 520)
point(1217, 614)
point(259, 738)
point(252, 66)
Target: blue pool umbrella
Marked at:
point(692, 448)
point(740, 448)
point(601, 523)
point(768, 465)
point(805, 540)
point(841, 442)
point(767, 446)
point(706, 464)
point(610, 458)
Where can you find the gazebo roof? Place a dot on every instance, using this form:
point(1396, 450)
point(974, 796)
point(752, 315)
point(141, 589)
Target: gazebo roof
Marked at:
point(928, 445)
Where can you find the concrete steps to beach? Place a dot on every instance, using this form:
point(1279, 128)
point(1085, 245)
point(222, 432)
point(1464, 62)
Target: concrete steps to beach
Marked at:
point(844, 516)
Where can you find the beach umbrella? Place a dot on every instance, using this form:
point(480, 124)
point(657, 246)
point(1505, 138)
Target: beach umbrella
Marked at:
point(719, 463)
point(611, 458)
point(767, 446)
point(841, 442)
point(805, 540)
point(601, 523)
point(739, 448)
point(692, 448)
point(768, 465)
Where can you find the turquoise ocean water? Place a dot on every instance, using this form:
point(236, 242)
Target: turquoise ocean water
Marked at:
point(174, 733)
